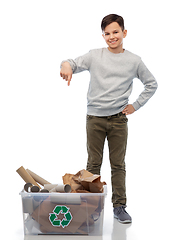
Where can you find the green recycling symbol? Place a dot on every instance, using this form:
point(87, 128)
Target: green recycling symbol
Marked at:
point(57, 222)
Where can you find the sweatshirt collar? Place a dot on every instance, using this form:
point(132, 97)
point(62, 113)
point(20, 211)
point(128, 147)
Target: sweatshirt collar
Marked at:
point(115, 54)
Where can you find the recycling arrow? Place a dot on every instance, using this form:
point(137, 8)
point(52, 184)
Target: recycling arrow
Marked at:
point(53, 218)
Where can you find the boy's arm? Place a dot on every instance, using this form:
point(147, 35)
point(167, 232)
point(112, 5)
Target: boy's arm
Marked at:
point(150, 86)
point(77, 65)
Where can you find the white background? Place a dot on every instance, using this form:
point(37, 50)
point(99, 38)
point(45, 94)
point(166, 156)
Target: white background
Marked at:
point(42, 121)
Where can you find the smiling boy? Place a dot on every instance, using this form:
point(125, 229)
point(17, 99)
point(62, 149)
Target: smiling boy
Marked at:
point(112, 71)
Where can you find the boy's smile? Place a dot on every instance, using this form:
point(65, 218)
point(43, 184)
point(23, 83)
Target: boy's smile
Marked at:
point(113, 36)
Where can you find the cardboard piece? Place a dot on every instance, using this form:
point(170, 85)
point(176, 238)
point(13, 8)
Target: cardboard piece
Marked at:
point(82, 216)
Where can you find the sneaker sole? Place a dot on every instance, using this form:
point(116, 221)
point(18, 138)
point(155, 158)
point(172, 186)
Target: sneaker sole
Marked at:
point(125, 221)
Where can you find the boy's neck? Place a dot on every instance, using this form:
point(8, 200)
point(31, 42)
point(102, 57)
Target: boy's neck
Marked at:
point(116, 50)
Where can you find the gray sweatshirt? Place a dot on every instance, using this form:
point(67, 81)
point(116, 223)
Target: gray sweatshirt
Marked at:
point(111, 80)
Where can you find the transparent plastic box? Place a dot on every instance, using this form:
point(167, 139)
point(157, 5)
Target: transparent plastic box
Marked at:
point(63, 213)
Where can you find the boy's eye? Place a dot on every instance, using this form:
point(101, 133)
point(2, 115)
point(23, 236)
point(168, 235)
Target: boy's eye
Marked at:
point(106, 34)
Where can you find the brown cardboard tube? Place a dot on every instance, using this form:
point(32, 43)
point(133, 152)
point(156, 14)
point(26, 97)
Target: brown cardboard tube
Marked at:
point(27, 205)
point(37, 178)
point(44, 191)
point(26, 176)
point(35, 189)
point(62, 188)
point(65, 199)
point(50, 186)
point(27, 187)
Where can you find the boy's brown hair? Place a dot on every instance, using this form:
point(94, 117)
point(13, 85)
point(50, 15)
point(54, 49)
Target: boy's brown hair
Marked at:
point(110, 19)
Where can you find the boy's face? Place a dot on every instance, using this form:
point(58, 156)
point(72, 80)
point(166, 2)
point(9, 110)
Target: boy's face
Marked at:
point(113, 36)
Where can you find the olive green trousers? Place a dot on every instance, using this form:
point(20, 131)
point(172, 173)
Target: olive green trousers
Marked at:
point(116, 130)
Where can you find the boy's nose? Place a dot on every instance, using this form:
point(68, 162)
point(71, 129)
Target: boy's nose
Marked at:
point(111, 35)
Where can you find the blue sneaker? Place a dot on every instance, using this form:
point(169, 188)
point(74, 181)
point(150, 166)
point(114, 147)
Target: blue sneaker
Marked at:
point(121, 215)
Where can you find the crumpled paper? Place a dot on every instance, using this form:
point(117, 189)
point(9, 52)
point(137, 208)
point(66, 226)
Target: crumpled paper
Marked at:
point(84, 182)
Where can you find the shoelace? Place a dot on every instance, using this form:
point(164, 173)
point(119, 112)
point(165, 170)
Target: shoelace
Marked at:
point(121, 209)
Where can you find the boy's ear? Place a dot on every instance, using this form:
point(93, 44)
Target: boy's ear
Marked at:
point(124, 33)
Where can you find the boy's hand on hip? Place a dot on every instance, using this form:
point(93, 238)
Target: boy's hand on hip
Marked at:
point(66, 72)
point(129, 109)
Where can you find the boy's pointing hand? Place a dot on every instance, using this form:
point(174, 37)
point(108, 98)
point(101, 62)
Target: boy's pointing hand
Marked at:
point(129, 109)
point(66, 72)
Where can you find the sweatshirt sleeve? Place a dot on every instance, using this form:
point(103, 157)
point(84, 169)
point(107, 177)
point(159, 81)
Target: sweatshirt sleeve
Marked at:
point(81, 63)
point(150, 85)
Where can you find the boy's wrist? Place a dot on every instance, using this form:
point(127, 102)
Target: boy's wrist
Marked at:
point(136, 105)
point(65, 64)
